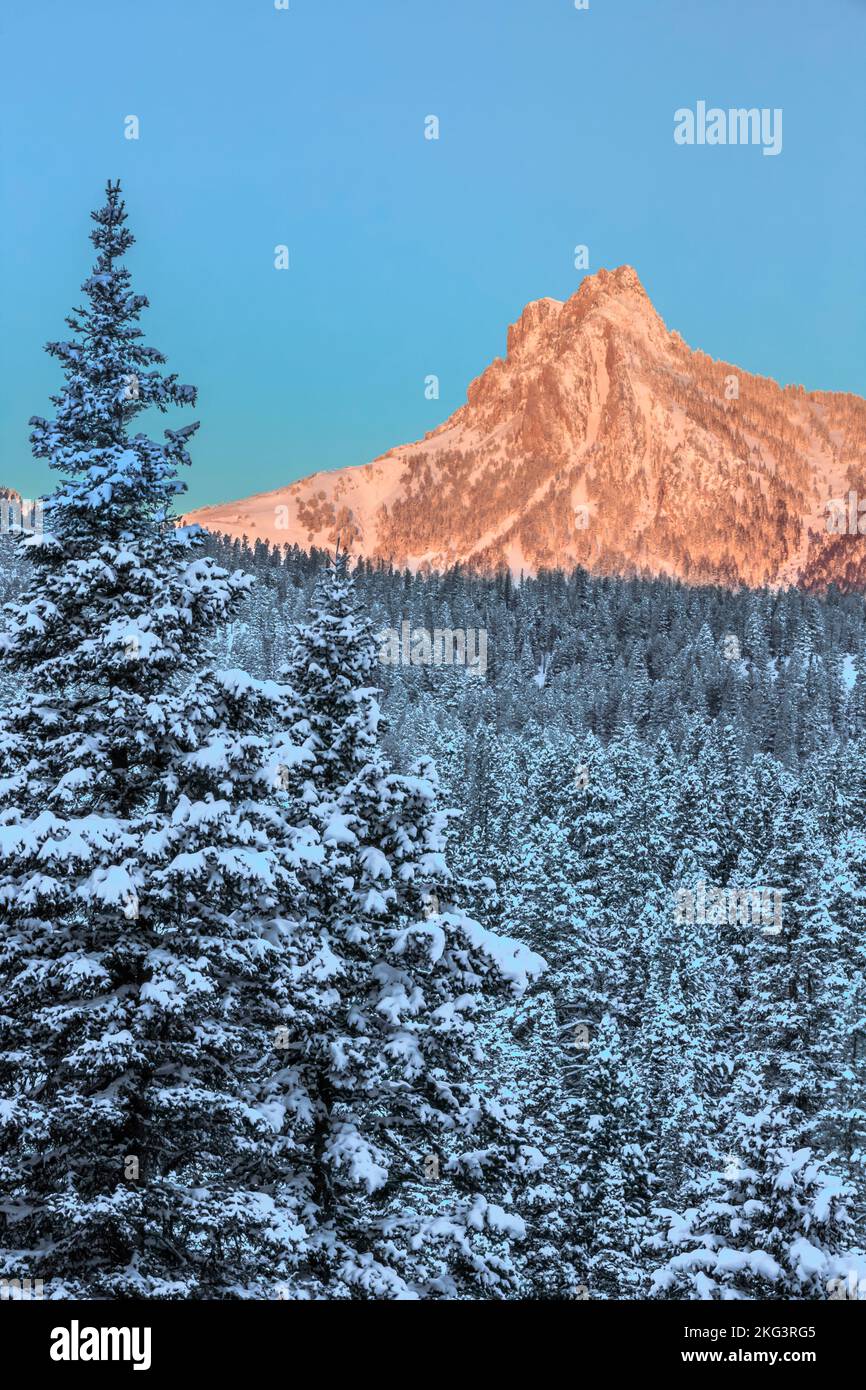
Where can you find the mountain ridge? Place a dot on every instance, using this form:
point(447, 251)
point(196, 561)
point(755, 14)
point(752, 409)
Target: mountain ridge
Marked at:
point(600, 439)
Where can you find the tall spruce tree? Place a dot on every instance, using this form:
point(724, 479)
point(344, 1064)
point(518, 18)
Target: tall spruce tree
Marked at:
point(797, 1011)
point(404, 1162)
point(523, 1046)
point(613, 1178)
point(146, 872)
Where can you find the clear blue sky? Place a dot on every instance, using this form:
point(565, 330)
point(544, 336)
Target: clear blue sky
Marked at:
point(410, 256)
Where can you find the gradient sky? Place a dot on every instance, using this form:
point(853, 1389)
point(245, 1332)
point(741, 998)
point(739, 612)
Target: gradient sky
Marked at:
point(410, 256)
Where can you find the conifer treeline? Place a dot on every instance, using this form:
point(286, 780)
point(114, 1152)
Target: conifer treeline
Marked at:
point(597, 654)
point(679, 740)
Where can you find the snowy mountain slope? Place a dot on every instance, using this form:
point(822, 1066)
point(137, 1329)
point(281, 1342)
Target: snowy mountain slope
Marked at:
point(600, 439)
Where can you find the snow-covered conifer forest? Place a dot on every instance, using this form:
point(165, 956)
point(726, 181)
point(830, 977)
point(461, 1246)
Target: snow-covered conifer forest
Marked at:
point(324, 977)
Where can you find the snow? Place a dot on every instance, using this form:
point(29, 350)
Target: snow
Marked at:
point(515, 962)
point(806, 1259)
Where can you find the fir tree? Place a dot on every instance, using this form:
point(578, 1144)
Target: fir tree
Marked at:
point(143, 865)
point(613, 1180)
point(524, 1047)
point(403, 1162)
point(773, 1223)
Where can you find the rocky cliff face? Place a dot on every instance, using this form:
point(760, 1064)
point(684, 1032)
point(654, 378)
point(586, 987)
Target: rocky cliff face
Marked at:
point(600, 439)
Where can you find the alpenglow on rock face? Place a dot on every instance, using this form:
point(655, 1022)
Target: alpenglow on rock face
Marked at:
point(600, 439)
